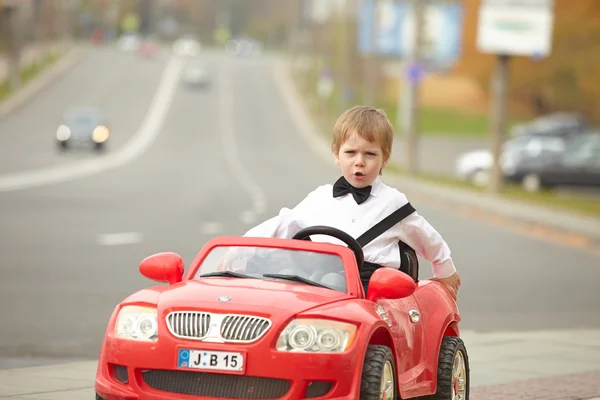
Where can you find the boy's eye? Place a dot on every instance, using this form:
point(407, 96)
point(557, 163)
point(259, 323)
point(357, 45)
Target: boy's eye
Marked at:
point(350, 151)
point(371, 154)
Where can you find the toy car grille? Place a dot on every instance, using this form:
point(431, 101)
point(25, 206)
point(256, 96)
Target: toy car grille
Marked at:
point(216, 385)
point(243, 328)
point(226, 327)
point(188, 324)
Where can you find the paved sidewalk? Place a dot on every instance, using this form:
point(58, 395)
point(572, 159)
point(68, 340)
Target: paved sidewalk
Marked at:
point(583, 231)
point(71, 53)
point(32, 53)
point(569, 387)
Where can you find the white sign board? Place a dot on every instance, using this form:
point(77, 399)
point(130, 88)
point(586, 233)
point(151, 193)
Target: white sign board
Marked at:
point(321, 11)
point(515, 27)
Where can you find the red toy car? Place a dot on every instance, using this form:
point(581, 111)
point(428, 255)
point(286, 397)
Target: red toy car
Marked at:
point(282, 319)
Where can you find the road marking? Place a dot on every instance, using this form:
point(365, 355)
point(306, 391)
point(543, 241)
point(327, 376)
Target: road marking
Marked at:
point(117, 239)
point(135, 147)
point(226, 118)
point(211, 228)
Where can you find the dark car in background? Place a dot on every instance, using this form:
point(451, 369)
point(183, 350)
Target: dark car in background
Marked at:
point(577, 166)
point(555, 124)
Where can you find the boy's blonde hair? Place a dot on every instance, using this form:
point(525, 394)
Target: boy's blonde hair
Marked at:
point(367, 122)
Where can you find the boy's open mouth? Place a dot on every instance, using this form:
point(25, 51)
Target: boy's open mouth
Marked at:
point(359, 174)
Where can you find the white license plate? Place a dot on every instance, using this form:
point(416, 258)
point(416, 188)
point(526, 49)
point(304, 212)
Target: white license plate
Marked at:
point(210, 360)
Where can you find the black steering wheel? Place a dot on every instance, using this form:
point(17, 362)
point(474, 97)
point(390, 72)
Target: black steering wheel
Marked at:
point(304, 234)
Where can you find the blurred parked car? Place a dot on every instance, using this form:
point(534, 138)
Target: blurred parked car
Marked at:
point(577, 165)
point(129, 42)
point(148, 48)
point(83, 126)
point(556, 124)
point(475, 166)
point(243, 47)
point(186, 46)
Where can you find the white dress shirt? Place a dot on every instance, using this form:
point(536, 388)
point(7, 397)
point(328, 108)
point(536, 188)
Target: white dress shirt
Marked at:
point(321, 208)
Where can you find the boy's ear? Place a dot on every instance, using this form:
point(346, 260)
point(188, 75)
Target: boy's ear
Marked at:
point(337, 159)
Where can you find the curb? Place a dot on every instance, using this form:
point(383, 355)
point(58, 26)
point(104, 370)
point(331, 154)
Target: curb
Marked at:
point(573, 229)
point(68, 59)
point(570, 228)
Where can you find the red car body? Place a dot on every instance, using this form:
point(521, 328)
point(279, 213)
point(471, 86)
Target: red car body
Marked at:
point(410, 318)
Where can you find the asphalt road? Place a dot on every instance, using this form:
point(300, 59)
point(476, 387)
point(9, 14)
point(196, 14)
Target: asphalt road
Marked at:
point(223, 158)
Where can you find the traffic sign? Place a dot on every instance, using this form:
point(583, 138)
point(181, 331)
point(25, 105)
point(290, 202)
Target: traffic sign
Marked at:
point(515, 27)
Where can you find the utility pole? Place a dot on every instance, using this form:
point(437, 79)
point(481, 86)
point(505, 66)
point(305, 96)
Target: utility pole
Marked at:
point(370, 70)
point(294, 30)
point(37, 23)
point(408, 107)
point(499, 114)
point(343, 60)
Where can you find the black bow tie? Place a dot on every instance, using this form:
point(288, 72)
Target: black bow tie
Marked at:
point(342, 187)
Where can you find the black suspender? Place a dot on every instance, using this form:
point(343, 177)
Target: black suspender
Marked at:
point(385, 224)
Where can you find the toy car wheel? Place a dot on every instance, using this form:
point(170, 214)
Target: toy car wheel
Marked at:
point(378, 374)
point(453, 371)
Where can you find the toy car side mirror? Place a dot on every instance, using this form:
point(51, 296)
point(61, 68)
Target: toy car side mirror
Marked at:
point(163, 267)
point(389, 283)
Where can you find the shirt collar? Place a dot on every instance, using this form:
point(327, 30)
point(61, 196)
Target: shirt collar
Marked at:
point(376, 186)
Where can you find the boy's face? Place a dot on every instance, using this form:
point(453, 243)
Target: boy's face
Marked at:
point(360, 161)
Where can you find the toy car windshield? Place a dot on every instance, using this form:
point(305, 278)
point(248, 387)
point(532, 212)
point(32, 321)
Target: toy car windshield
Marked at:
point(301, 266)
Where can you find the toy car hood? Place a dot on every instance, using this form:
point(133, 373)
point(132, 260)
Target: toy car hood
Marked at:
point(248, 295)
point(236, 295)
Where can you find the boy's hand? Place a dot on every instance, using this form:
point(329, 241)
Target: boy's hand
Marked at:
point(452, 283)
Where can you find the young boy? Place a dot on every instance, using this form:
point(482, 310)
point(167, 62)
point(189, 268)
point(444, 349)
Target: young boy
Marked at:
point(362, 143)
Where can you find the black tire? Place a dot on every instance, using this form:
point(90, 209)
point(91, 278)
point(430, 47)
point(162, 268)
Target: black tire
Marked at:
point(99, 146)
point(445, 385)
point(62, 145)
point(372, 374)
point(98, 397)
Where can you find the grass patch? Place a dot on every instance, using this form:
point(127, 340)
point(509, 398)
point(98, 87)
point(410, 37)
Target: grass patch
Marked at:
point(580, 204)
point(433, 121)
point(440, 122)
point(30, 72)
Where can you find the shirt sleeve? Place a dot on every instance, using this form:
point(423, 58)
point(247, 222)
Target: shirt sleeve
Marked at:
point(289, 221)
point(427, 242)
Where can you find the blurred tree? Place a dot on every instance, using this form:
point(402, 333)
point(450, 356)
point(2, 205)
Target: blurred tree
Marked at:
point(11, 39)
point(569, 79)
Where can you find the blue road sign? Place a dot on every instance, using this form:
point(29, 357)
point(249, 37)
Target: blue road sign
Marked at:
point(415, 73)
point(443, 31)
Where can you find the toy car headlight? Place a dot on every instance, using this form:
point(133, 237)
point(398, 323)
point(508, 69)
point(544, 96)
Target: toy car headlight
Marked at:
point(63, 133)
point(100, 134)
point(137, 323)
point(316, 336)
